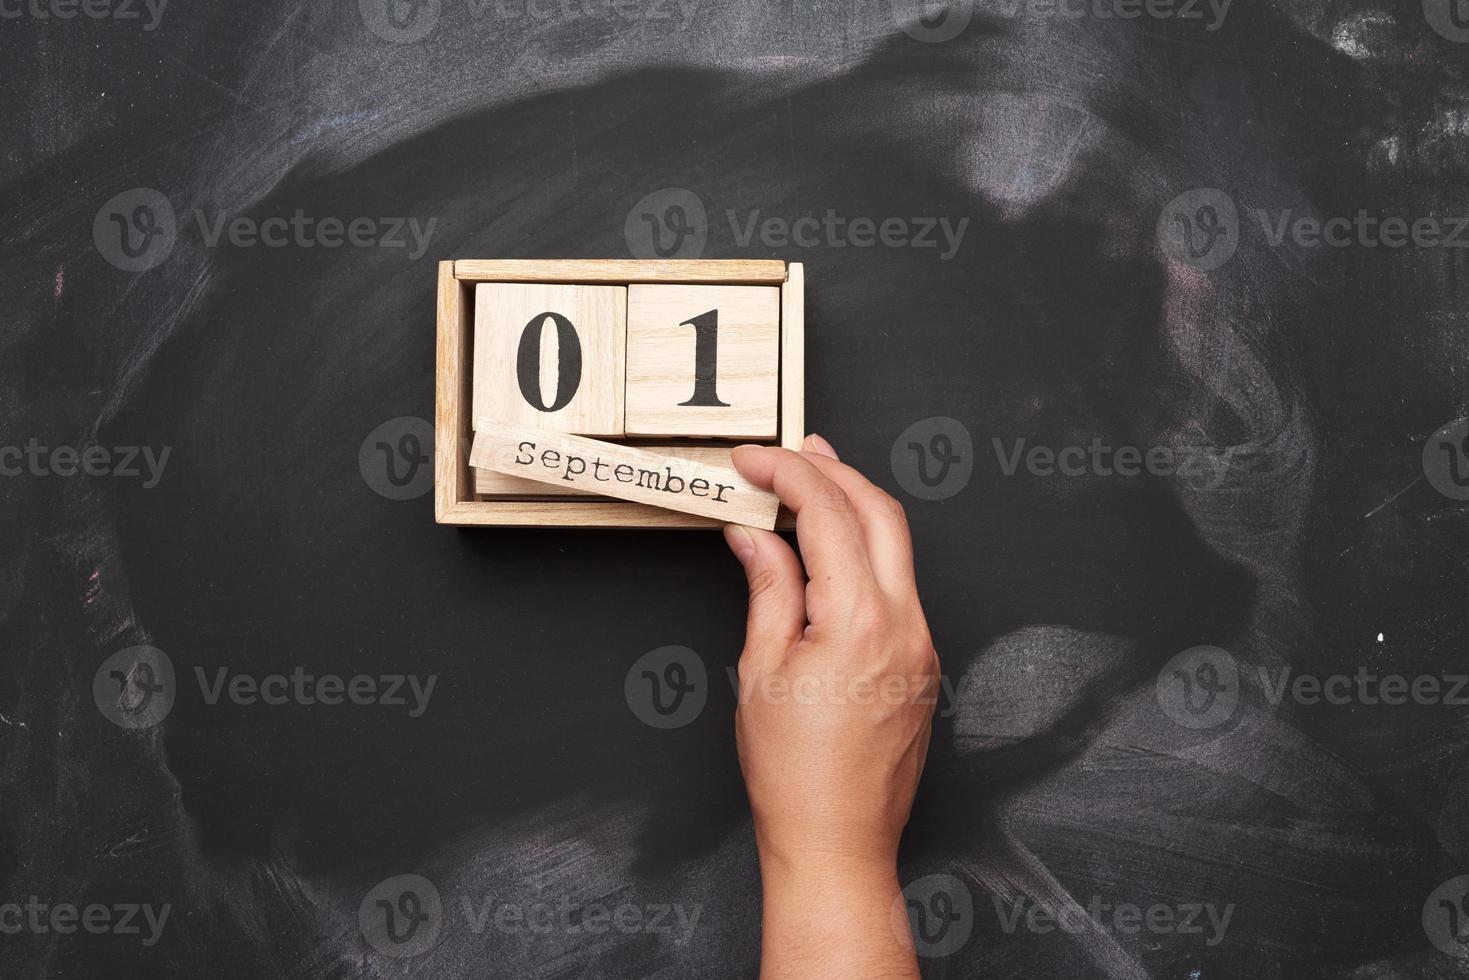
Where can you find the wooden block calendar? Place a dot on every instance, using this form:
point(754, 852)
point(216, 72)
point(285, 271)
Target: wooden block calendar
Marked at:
point(645, 373)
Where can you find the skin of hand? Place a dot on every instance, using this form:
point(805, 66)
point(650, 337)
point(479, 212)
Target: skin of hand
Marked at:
point(838, 681)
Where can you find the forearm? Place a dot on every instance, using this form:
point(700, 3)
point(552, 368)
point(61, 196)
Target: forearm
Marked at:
point(831, 770)
point(839, 920)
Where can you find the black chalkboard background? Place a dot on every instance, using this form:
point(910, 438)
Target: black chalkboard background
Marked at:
point(1129, 272)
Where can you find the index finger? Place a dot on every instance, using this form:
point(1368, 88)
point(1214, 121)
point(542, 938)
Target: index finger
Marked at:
point(831, 539)
point(889, 543)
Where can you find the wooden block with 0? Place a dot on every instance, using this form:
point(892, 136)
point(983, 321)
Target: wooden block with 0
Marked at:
point(703, 361)
point(550, 355)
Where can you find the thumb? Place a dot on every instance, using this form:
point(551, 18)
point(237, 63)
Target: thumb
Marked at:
point(777, 588)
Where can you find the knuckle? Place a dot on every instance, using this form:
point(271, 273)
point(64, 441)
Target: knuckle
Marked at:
point(922, 656)
point(831, 497)
point(763, 583)
point(915, 647)
point(892, 509)
point(872, 620)
point(744, 670)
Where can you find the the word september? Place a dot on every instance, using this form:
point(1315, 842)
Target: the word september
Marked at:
point(572, 466)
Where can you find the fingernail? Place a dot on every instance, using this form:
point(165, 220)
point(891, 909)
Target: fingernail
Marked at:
point(817, 444)
point(740, 541)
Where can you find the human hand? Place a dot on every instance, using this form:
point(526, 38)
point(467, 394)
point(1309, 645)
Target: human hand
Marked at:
point(837, 686)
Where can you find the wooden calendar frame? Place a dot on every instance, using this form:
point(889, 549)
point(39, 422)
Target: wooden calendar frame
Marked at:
point(455, 502)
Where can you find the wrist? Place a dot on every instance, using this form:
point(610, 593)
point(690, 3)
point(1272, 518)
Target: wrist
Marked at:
point(833, 915)
point(791, 865)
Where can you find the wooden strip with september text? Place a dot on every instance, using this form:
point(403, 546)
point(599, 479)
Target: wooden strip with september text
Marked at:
point(490, 483)
point(620, 471)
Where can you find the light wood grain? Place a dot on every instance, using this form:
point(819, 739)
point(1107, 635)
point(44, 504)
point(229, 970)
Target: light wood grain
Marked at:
point(793, 358)
point(621, 271)
point(662, 355)
point(490, 483)
point(451, 414)
point(579, 513)
point(503, 312)
point(620, 471)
